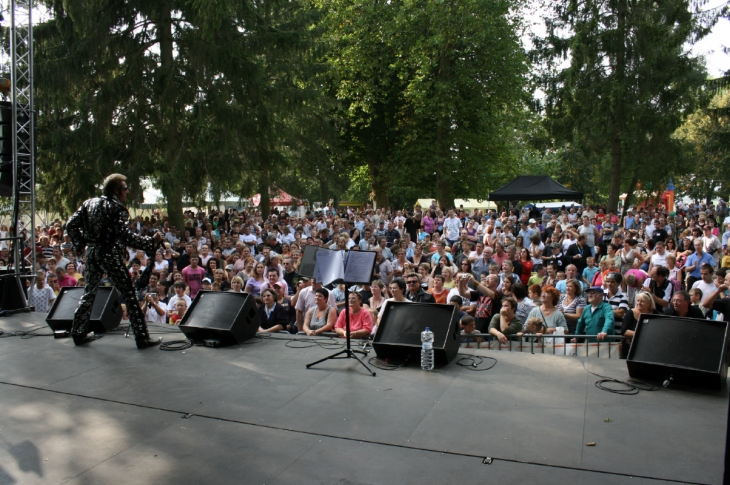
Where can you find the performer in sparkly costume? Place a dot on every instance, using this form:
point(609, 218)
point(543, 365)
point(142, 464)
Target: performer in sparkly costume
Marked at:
point(102, 226)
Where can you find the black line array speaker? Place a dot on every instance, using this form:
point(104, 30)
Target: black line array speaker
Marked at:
point(11, 289)
point(229, 317)
point(106, 313)
point(399, 334)
point(689, 351)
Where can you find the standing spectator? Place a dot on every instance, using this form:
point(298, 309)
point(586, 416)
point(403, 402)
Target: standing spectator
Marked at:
point(712, 245)
point(452, 228)
point(695, 261)
point(40, 295)
point(615, 297)
point(193, 276)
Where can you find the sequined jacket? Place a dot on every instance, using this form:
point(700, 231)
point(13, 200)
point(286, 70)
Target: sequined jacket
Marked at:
point(104, 221)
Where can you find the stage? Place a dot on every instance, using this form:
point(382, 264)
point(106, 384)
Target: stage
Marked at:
point(109, 413)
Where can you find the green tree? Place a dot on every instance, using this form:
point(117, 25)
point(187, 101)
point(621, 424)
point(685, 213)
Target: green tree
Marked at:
point(194, 94)
point(629, 82)
point(427, 91)
point(706, 137)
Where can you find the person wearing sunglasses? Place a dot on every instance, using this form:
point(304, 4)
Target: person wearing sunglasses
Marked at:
point(101, 228)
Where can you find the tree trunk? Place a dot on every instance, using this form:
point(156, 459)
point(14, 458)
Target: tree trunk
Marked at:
point(444, 176)
point(171, 187)
point(630, 193)
point(618, 115)
point(264, 184)
point(173, 194)
point(379, 181)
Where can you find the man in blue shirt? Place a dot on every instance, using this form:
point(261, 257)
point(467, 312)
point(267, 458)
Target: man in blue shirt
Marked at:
point(597, 316)
point(695, 262)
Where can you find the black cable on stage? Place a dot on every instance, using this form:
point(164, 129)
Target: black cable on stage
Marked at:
point(631, 388)
point(174, 345)
point(386, 364)
point(26, 334)
point(472, 362)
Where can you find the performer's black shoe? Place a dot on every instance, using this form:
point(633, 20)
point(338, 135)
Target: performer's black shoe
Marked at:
point(143, 343)
point(81, 338)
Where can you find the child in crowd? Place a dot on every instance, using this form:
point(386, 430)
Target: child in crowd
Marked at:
point(561, 275)
point(725, 263)
point(534, 292)
point(457, 301)
point(180, 309)
point(590, 270)
point(469, 327)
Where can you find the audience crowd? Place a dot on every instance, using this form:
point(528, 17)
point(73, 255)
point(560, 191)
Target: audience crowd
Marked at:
point(574, 270)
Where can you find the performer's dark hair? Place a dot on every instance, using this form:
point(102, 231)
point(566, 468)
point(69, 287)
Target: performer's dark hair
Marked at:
point(113, 183)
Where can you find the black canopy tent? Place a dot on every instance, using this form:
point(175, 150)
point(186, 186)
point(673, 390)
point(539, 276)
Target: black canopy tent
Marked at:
point(534, 187)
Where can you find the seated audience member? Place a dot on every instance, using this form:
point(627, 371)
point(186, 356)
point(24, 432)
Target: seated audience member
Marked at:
point(397, 290)
point(469, 327)
point(303, 299)
point(505, 322)
point(236, 285)
point(682, 306)
point(321, 317)
point(180, 307)
point(272, 316)
point(659, 286)
point(534, 326)
point(439, 293)
point(414, 291)
point(155, 311)
point(644, 304)
point(597, 317)
point(63, 279)
point(361, 322)
point(179, 289)
point(695, 296)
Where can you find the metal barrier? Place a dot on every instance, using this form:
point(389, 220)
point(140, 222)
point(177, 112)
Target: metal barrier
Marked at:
point(562, 345)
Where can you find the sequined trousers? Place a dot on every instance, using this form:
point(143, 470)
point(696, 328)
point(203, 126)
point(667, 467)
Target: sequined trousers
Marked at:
point(99, 261)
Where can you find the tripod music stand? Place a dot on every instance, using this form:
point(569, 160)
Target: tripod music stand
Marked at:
point(349, 352)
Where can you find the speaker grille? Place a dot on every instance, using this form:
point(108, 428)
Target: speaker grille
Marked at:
point(680, 342)
point(407, 321)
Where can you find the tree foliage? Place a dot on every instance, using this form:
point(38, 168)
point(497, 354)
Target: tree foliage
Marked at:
point(427, 91)
point(629, 82)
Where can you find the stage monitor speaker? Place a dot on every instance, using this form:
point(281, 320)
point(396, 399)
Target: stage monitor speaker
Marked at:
point(688, 351)
point(228, 317)
point(13, 297)
point(106, 313)
point(399, 334)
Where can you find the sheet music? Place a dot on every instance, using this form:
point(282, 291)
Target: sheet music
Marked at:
point(359, 267)
point(309, 260)
point(329, 266)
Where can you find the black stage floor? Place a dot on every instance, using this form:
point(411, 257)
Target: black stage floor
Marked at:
point(107, 413)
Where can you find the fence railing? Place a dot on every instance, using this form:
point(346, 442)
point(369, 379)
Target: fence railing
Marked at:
point(563, 345)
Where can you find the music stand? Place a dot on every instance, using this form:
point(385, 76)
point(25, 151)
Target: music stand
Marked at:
point(349, 352)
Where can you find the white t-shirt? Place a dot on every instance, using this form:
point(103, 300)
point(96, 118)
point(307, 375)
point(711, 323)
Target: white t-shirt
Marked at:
point(153, 316)
point(174, 298)
point(706, 288)
point(41, 299)
point(385, 303)
point(659, 259)
point(451, 228)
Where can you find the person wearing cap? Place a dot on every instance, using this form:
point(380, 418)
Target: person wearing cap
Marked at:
point(40, 295)
point(557, 258)
point(597, 317)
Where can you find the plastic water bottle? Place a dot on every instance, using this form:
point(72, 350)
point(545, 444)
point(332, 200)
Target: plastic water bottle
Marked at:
point(427, 349)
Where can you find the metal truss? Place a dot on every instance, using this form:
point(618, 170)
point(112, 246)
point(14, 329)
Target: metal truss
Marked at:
point(21, 92)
